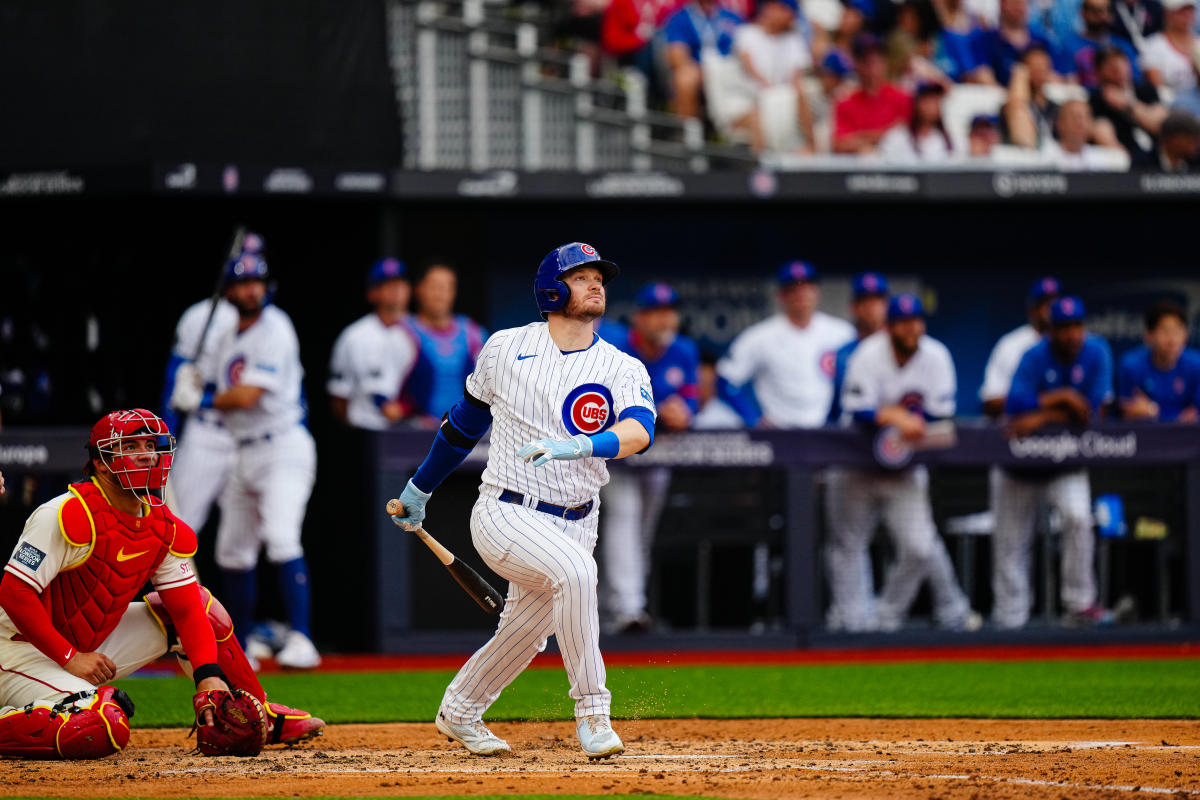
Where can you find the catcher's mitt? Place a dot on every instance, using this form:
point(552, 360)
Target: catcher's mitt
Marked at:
point(239, 723)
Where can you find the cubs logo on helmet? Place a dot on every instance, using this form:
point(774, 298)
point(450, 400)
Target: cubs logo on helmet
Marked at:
point(588, 409)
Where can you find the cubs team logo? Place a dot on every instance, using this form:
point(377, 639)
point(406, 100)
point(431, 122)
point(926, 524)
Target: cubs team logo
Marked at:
point(234, 373)
point(674, 376)
point(1077, 374)
point(913, 402)
point(828, 363)
point(588, 409)
point(1178, 385)
point(891, 451)
point(587, 249)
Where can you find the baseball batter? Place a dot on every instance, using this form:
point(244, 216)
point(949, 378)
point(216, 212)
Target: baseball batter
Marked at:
point(260, 397)
point(560, 400)
point(787, 359)
point(68, 623)
point(206, 449)
point(373, 356)
point(635, 497)
point(901, 378)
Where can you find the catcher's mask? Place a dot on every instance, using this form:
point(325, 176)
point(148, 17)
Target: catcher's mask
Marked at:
point(137, 448)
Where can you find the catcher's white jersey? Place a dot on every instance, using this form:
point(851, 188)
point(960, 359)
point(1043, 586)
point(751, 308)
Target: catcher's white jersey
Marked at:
point(1002, 363)
point(267, 355)
point(791, 367)
point(370, 359)
point(190, 327)
point(536, 391)
point(926, 384)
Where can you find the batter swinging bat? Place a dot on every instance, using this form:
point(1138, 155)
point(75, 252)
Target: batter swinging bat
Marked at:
point(235, 249)
point(479, 589)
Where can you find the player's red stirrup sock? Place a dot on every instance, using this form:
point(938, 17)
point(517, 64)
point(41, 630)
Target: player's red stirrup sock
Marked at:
point(230, 657)
point(90, 724)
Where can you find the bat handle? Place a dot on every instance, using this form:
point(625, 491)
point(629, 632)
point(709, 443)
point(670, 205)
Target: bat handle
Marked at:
point(443, 555)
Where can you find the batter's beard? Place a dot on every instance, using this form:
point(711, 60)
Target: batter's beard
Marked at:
point(246, 311)
point(576, 311)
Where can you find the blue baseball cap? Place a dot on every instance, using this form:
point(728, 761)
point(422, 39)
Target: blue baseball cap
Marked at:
point(905, 305)
point(656, 295)
point(837, 63)
point(794, 5)
point(1067, 310)
point(1043, 288)
point(386, 269)
point(796, 272)
point(866, 284)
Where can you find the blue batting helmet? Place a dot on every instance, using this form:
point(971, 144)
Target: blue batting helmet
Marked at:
point(549, 289)
point(246, 267)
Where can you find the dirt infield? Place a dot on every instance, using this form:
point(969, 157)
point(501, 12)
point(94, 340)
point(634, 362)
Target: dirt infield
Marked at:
point(772, 758)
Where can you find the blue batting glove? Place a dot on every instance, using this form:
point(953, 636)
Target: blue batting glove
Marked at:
point(544, 450)
point(413, 500)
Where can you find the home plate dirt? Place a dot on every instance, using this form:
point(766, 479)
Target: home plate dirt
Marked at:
point(765, 758)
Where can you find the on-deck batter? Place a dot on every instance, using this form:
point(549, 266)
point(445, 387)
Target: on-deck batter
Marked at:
point(561, 401)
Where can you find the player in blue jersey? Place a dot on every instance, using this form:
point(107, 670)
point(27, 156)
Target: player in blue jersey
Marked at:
point(634, 497)
point(868, 308)
point(448, 345)
point(1066, 378)
point(1161, 379)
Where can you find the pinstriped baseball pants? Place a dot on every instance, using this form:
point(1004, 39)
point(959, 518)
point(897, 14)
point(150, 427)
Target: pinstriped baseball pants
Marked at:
point(552, 591)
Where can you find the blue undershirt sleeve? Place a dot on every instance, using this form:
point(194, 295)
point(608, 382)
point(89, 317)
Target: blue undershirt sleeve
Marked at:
point(644, 416)
point(462, 427)
point(741, 399)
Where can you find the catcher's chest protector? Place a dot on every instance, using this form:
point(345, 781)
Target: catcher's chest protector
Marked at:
point(86, 601)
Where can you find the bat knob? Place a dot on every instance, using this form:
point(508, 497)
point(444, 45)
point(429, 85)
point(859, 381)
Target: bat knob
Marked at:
point(395, 507)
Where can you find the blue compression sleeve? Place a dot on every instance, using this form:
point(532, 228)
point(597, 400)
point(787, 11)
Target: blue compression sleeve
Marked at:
point(642, 415)
point(461, 430)
point(865, 417)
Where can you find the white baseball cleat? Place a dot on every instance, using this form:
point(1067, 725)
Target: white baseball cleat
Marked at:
point(474, 736)
point(298, 652)
point(597, 737)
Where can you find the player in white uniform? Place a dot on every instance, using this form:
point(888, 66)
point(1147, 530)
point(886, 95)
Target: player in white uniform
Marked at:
point(260, 397)
point(374, 355)
point(206, 450)
point(787, 358)
point(898, 377)
point(560, 401)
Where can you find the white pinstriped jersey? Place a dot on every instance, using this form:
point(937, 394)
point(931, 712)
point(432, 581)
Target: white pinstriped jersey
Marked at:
point(267, 355)
point(370, 358)
point(1002, 363)
point(536, 391)
point(925, 384)
point(191, 325)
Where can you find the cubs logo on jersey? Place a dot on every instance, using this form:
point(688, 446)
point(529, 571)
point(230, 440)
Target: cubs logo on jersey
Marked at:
point(913, 402)
point(235, 370)
point(828, 363)
point(588, 409)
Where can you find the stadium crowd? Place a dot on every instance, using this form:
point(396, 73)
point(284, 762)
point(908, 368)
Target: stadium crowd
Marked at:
point(1069, 84)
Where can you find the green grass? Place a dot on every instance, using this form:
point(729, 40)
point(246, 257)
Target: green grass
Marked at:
point(1168, 689)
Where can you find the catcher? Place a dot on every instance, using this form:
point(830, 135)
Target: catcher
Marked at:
point(69, 626)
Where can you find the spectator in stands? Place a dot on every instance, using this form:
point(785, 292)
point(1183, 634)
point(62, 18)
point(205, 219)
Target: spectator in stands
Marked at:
point(775, 59)
point(1132, 109)
point(448, 344)
point(1006, 355)
point(1179, 142)
point(1097, 34)
point(779, 372)
point(700, 31)
point(1169, 57)
point(1072, 152)
point(982, 136)
point(1066, 378)
point(1161, 379)
point(868, 311)
point(863, 117)
point(952, 44)
point(1188, 100)
point(628, 28)
point(636, 496)
point(995, 50)
point(1029, 115)
point(924, 138)
point(1137, 20)
point(910, 47)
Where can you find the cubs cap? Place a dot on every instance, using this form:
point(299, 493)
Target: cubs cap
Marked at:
point(796, 272)
point(794, 5)
point(656, 295)
point(905, 305)
point(386, 269)
point(867, 284)
point(1066, 310)
point(1043, 288)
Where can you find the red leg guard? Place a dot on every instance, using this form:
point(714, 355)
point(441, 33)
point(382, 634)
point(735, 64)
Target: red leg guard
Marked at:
point(86, 725)
point(291, 725)
point(230, 657)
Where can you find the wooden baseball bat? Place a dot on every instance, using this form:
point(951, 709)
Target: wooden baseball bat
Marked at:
point(480, 590)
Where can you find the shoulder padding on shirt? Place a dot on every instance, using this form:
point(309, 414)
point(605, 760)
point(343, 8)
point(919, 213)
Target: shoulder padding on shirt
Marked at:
point(75, 522)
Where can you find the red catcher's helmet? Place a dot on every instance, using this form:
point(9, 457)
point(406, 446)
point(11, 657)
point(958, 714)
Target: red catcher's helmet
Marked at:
point(107, 443)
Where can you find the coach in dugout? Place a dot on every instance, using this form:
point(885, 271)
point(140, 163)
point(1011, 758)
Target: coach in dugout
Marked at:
point(778, 373)
point(1161, 379)
point(1064, 378)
